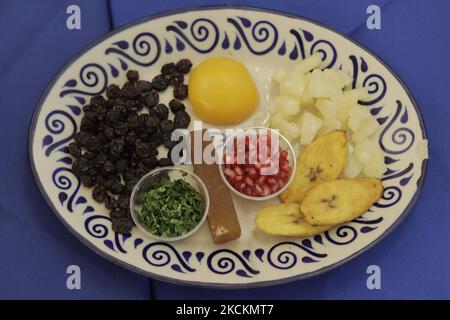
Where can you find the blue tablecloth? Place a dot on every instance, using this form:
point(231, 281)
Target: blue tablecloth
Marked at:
point(34, 247)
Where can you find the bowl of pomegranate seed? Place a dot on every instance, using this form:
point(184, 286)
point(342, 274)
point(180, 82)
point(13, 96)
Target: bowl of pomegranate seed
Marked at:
point(258, 163)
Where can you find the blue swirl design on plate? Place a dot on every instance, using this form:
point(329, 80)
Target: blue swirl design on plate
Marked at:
point(63, 178)
point(282, 255)
point(262, 32)
point(146, 49)
point(203, 35)
point(224, 261)
point(94, 227)
point(375, 84)
point(93, 77)
point(402, 137)
point(55, 125)
point(304, 39)
point(164, 256)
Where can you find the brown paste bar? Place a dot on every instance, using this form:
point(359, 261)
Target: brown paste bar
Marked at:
point(222, 218)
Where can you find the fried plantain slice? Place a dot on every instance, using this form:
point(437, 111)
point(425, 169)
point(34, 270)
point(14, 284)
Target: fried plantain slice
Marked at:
point(339, 201)
point(324, 159)
point(285, 220)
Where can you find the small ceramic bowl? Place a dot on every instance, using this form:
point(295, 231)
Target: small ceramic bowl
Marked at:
point(283, 143)
point(147, 182)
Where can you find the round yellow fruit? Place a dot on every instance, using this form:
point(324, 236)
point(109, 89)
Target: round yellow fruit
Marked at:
point(222, 91)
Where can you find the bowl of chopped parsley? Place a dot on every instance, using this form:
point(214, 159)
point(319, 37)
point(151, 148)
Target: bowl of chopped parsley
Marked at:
point(169, 204)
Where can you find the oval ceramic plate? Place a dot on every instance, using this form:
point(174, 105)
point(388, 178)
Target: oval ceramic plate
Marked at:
point(264, 41)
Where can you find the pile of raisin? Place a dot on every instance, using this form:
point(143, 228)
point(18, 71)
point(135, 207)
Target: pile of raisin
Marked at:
point(119, 136)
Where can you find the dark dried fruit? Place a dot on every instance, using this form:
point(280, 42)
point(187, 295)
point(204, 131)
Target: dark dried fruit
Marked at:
point(165, 162)
point(184, 66)
point(151, 99)
point(150, 162)
point(99, 193)
point(108, 168)
point(123, 202)
point(97, 101)
point(74, 149)
point(88, 108)
point(161, 111)
point(176, 106)
point(160, 83)
point(166, 126)
point(128, 91)
point(117, 146)
point(121, 128)
point(112, 91)
point(88, 181)
point(132, 75)
point(112, 117)
point(152, 123)
point(142, 149)
point(168, 68)
point(110, 202)
point(180, 91)
point(121, 165)
point(87, 123)
point(181, 120)
point(122, 225)
point(131, 105)
point(176, 78)
point(114, 186)
point(143, 86)
point(117, 214)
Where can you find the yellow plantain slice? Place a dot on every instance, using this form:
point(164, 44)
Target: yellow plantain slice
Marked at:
point(324, 159)
point(285, 220)
point(339, 201)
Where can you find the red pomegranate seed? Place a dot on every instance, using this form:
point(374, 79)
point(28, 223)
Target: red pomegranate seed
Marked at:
point(230, 173)
point(285, 167)
point(238, 178)
point(283, 175)
point(249, 181)
point(266, 190)
point(271, 181)
point(284, 154)
point(258, 190)
point(253, 173)
point(238, 171)
point(274, 188)
point(261, 180)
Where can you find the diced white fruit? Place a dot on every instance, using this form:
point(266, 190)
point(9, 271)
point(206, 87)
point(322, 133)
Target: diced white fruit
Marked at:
point(319, 87)
point(375, 167)
point(287, 105)
point(364, 150)
point(287, 128)
point(329, 124)
point(327, 108)
point(290, 130)
point(309, 125)
point(343, 110)
point(308, 64)
point(277, 120)
point(293, 85)
point(280, 75)
point(353, 167)
point(356, 115)
point(367, 128)
point(333, 77)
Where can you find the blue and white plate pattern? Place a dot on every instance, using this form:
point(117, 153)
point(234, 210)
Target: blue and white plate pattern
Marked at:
point(264, 41)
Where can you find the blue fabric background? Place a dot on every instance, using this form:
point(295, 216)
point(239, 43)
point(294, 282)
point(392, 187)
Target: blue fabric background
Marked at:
point(35, 249)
